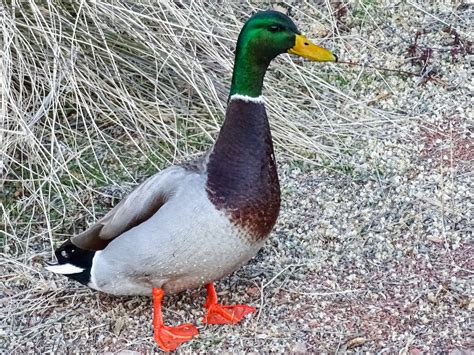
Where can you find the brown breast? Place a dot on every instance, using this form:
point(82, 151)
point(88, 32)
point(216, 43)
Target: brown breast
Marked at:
point(242, 174)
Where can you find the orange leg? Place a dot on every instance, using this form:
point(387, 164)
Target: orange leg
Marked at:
point(219, 314)
point(169, 338)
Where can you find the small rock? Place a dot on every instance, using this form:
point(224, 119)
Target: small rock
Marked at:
point(432, 298)
point(298, 347)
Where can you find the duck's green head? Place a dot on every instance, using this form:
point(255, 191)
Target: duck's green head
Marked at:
point(264, 36)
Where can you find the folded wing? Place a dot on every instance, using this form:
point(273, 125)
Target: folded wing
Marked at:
point(137, 207)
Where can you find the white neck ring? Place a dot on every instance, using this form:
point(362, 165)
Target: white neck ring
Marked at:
point(257, 100)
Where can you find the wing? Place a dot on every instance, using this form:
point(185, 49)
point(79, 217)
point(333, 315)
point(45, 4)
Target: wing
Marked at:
point(137, 207)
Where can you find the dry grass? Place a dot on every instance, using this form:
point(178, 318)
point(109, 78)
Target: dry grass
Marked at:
point(98, 95)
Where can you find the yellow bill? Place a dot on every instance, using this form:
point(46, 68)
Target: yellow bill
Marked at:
point(304, 48)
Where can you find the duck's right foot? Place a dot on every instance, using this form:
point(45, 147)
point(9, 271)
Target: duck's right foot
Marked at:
point(169, 338)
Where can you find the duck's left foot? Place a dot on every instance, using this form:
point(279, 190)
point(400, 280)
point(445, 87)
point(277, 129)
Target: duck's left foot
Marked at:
point(220, 314)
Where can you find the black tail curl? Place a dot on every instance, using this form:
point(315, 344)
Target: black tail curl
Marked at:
point(70, 254)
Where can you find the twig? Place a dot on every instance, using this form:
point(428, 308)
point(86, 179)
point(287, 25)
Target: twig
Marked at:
point(425, 75)
point(398, 71)
point(263, 286)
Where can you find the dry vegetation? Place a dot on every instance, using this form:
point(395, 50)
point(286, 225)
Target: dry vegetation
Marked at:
point(373, 250)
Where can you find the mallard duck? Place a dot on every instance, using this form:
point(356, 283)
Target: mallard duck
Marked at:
point(192, 224)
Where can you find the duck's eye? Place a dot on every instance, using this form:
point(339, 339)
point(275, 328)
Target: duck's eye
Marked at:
point(275, 28)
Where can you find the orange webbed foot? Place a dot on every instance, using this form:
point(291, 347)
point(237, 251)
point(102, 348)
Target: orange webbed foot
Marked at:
point(220, 314)
point(169, 338)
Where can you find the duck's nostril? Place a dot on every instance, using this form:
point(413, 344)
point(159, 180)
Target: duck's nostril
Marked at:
point(306, 43)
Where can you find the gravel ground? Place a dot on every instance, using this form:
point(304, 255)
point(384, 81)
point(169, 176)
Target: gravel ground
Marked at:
point(373, 253)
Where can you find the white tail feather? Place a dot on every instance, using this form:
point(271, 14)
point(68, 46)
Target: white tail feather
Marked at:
point(65, 269)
